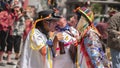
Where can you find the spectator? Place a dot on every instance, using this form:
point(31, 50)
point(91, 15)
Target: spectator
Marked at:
point(14, 37)
point(28, 26)
point(114, 39)
point(16, 3)
point(18, 29)
point(6, 21)
point(31, 12)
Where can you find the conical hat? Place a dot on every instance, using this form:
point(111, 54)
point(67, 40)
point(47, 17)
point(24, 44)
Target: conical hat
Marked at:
point(85, 12)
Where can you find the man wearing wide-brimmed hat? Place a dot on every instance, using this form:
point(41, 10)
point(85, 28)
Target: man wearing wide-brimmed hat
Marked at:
point(91, 54)
point(36, 52)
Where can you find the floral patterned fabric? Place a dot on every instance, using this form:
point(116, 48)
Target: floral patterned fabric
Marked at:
point(93, 47)
point(6, 20)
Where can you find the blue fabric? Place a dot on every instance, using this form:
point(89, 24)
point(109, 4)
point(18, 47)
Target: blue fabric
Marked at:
point(49, 42)
point(67, 27)
point(94, 49)
point(2, 4)
point(115, 58)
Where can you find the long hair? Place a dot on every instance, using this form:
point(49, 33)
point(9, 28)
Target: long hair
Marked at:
point(41, 27)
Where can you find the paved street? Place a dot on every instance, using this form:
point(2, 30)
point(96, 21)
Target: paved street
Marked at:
point(12, 58)
point(10, 66)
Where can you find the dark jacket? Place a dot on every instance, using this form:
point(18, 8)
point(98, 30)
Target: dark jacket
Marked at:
point(113, 28)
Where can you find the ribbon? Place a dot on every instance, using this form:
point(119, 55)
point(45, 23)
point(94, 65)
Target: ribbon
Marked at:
point(34, 47)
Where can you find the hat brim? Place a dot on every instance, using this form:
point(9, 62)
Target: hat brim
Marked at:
point(79, 10)
point(54, 18)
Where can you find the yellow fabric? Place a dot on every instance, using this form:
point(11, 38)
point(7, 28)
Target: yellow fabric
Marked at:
point(91, 17)
point(33, 46)
point(87, 26)
point(77, 64)
point(49, 58)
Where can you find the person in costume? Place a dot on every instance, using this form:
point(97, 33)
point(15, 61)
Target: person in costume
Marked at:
point(66, 36)
point(91, 54)
point(37, 53)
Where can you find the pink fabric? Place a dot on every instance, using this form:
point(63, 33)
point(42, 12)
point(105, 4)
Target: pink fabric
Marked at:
point(28, 26)
point(6, 19)
point(85, 55)
point(25, 4)
point(67, 44)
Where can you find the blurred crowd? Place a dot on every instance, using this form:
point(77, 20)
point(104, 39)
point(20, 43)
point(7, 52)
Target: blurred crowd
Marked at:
point(17, 18)
point(15, 22)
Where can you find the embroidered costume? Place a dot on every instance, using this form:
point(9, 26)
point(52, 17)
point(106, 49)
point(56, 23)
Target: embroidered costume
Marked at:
point(63, 60)
point(91, 54)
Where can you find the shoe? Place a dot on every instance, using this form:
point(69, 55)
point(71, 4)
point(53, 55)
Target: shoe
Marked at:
point(2, 64)
point(16, 58)
point(10, 63)
point(5, 58)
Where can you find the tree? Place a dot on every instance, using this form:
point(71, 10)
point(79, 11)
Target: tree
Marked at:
point(97, 8)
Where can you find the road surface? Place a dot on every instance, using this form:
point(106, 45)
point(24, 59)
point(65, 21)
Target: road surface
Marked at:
point(10, 66)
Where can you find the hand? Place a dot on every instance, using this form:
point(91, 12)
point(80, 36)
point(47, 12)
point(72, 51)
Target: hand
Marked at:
point(51, 34)
point(43, 51)
point(49, 42)
point(59, 36)
point(117, 32)
point(9, 27)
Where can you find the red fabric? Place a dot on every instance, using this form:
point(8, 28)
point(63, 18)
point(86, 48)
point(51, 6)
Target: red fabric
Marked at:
point(85, 54)
point(67, 44)
point(84, 51)
point(28, 26)
point(25, 4)
point(6, 19)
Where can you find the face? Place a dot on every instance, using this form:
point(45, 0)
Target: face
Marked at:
point(82, 22)
point(52, 25)
point(28, 22)
point(31, 11)
point(17, 11)
point(46, 25)
point(8, 6)
point(16, 2)
point(62, 22)
point(73, 21)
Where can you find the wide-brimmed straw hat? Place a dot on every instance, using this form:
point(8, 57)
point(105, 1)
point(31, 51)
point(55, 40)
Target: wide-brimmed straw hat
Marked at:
point(85, 12)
